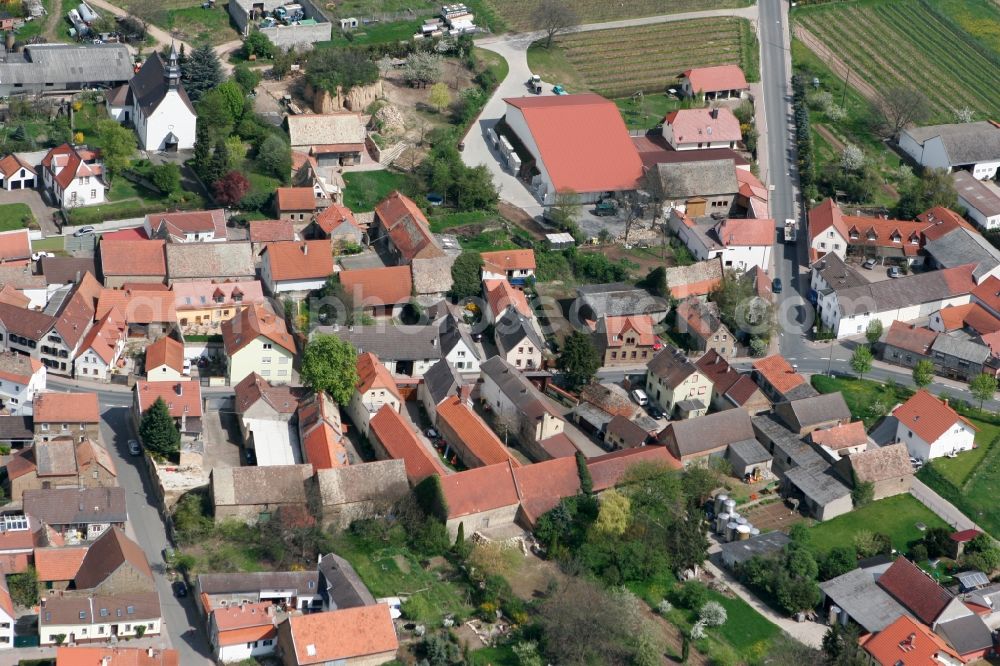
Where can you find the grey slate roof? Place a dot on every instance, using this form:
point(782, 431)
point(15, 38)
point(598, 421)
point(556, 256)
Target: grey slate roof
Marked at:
point(390, 342)
point(513, 327)
point(441, 381)
point(63, 270)
point(452, 333)
point(787, 444)
point(303, 582)
point(966, 634)
point(760, 545)
point(272, 484)
point(898, 293)
point(680, 180)
point(149, 86)
point(619, 299)
point(749, 451)
point(807, 412)
point(16, 428)
point(216, 261)
point(961, 246)
point(965, 143)
point(64, 64)
point(76, 506)
point(631, 433)
point(341, 585)
point(818, 482)
point(982, 196)
point(961, 348)
point(837, 273)
point(592, 414)
point(518, 389)
point(671, 366)
point(709, 432)
point(859, 596)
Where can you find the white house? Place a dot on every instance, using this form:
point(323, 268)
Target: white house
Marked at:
point(971, 146)
point(242, 631)
point(457, 346)
point(102, 348)
point(515, 266)
point(741, 244)
point(375, 388)
point(296, 267)
point(980, 198)
point(16, 174)
point(930, 428)
point(518, 341)
point(20, 378)
point(694, 129)
point(73, 177)
point(198, 226)
point(155, 103)
point(6, 616)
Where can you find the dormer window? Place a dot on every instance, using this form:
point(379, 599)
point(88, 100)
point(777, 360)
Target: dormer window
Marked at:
point(872, 235)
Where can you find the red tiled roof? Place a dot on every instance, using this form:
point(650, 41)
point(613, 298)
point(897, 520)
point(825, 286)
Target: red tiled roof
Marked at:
point(282, 398)
point(66, 408)
point(135, 257)
point(973, 315)
point(479, 489)
point(400, 441)
point(716, 79)
point(508, 260)
point(254, 322)
point(246, 635)
point(139, 306)
point(165, 351)
point(742, 390)
point(941, 220)
point(182, 397)
point(542, 485)
point(559, 446)
point(295, 199)
point(271, 231)
point(406, 226)
point(910, 337)
point(116, 656)
point(915, 590)
point(927, 416)
point(53, 564)
point(608, 470)
point(842, 436)
point(373, 375)
point(333, 216)
point(779, 373)
point(130, 234)
point(299, 260)
point(473, 432)
point(11, 164)
point(320, 638)
point(885, 233)
point(962, 536)
point(988, 293)
point(907, 642)
point(323, 447)
point(105, 335)
point(600, 158)
point(703, 125)
point(202, 294)
point(18, 368)
point(189, 222)
point(701, 317)
point(388, 285)
point(615, 329)
point(14, 246)
point(12, 296)
point(722, 375)
point(500, 295)
point(737, 231)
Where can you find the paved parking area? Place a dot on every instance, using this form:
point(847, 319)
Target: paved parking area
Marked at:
point(222, 440)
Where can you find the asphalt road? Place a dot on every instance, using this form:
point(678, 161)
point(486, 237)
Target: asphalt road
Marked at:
point(184, 627)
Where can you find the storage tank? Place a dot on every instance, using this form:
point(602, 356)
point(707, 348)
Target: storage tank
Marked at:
point(731, 531)
point(742, 532)
point(720, 499)
point(729, 505)
point(721, 521)
point(734, 517)
point(754, 532)
point(86, 13)
point(742, 520)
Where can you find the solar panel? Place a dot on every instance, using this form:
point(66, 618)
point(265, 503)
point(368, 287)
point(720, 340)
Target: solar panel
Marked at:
point(973, 578)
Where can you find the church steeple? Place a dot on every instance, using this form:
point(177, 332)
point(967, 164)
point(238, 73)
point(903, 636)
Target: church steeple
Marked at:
point(173, 72)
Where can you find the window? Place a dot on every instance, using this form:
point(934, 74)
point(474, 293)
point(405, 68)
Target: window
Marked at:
point(283, 360)
point(614, 355)
point(517, 362)
point(268, 345)
point(93, 194)
point(265, 360)
point(267, 642)
point(130, 610)
point(265, 373)
point(520, 350)
point(83, 615)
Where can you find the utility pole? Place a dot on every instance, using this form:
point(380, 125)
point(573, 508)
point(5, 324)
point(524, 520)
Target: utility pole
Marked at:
point(829, 363)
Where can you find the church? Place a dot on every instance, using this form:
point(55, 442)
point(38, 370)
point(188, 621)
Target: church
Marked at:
point(155, 104)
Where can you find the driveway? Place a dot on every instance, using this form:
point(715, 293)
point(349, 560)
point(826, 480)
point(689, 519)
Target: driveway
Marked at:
point(41, 210)
point(222, 440)
point(514, 49)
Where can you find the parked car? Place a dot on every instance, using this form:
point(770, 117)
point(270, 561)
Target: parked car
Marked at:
point(134, 448)
point(180, 589)
point(84, 231)
point(168, 554)
point(654, 411)
point(894, 272)
point(35, 256)
point(776, 285)
point(869, 264)
point(431, 433)
point(640, 397)
point(559, 90)
point(187, 367)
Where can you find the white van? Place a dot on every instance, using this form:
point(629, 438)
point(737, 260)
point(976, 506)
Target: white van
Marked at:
point(640, 397)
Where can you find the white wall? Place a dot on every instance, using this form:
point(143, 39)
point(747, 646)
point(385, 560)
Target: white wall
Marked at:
point(985, 170)
point(960, 437)
point(252, 359)
point(6, 631)
point(164, 373)
point(235, 653)
point(989, 223)
point(172, 115)
point(463, 359)
point(830, 240)
point(18, 397)
point(516, 122)
point(857, 324)
point(745, 257)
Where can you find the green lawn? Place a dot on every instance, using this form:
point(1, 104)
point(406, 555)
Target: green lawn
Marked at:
point(894, 516)
point(649, 111)
point(554, 66)
point(958, 470)
point(365, 189)
point(199, 25)
point(745, 628)
point(860, 394)
point(52, 244)
point(494, 61)
point(448, 220)
point(12, 216)
point(378, 33)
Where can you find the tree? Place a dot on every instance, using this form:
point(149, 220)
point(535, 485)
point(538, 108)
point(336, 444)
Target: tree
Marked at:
point(983, 388)
point(583, 472)
point(232, 187)
point(23, 587)
point(553, 17)
point(202, 146)
point(935, 187)
point(275, 156)
point(202, 72)
point(713, 614)
point(166, 177)
point(140, 630)
point(421, 68)
point(235, 100)
point(840, 643)
point(214, 114)
point(440, 96)
point(330, 69)
point(329, 364)
point(248, 78)
point(938, 541)
point(874, 331)
point(257, 44)
point(838, 561)
point(564, 213)
point(900, 106)
point(118, 145)
point(218, 165)
point(465, 276)
point(237, 153)
point(964, 115)
point(614, 516)
point(923, 373)
point(852, 158)
point(861, 360)
point(158, 431)
point(655, 282)
point(579, 359)
point(863, 493)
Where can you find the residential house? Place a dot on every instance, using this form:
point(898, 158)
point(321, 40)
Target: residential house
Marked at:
point(403, 233)
point(440, 382)
point(697, 439)
point(21, 377)
point(701, 188)
point(971, 317)
point(265, 412)
point(907, 344)
point(73, 177)
point(514, 266)
point(343, 495)
point(17, 174)
point(240, 632)
point(980, 198)
point(339, 584)
point(481, 498)
point(183, 399)
point(22, 533)
point(77, 514)
point(457, 347)
point(831, 231)
point(296, 204)
point(627, 340)
point(327, 184)
point(147, 313)
point(375, 388)
point(619, 299)
point(468, 437)
point(7, 617)
point(157, 105)
point(517, 340)
point(741, 244)
point(930, 428)
point(697, 279)
point(125, 261)
point(294, 590)
point(57, 566)
point(125, 656)
point(270, 231)
point(321, 432)
point(256, 340)
point(15, 246)
point(59, 463)
point(252, 494)
point(501, 296)
point(336, 223)
point(101, 351)
point(951, 244)
point(730, 388)
point(114, 596)
point(19, 283)
point(831, 271)
point(701, 322)
point(405, 350)
point(961, 356)
point(805, 415)
point(17, 432)
point(203, 306)
point(987, 294)
point(841, 441)
point(887, 468)
point(362, 636)
point(693, 129)
point(378, 292)
point(332, 139)
point(545, 129)
point(24, 331)
point(522, 410)
point(393, 437)
point(219, 262)
point(718, 82)
point(165, 360)
point(974, 147)
point(296, 268)
point(76, 415)
point(623, 433)
point(907, 641)
point(198, 226)
point(676, 385)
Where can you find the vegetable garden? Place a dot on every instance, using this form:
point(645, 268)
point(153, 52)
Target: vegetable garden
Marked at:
point(907, 43)
point(518, 13)
point(621, 61)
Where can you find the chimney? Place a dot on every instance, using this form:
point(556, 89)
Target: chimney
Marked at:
point(465, 393)
point(180, 388)
point(305, 248)
point(945, 401)
point(715, 113)
point(184, 419)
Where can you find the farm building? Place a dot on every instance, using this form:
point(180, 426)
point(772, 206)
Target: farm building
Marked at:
point(333, 139)
point(719, 82)
point(54, 67)
point(974, 147)
point(559, 159)
point(980, 198)
point(312, 27)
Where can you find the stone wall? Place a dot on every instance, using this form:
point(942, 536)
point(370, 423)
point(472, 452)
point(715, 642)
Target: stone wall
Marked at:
point(357, 98)
point(342, 495)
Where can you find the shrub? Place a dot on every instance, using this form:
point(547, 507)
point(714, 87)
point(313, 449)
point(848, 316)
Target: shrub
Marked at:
point(919, 553)
point(664, 607)
point(692, 595)
point(713, 614)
